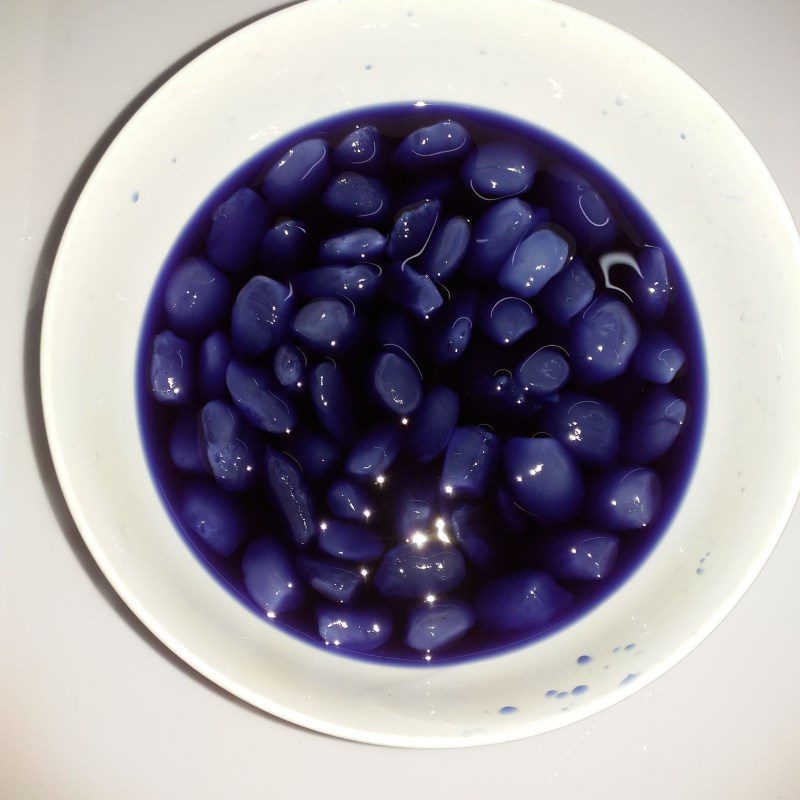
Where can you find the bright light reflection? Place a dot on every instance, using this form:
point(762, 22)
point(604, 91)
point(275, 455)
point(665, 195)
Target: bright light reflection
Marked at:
point(418, 538)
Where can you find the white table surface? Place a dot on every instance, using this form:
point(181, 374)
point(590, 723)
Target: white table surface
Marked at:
point(93, 706)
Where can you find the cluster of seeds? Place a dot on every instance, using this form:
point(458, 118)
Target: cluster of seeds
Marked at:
point(410, 408)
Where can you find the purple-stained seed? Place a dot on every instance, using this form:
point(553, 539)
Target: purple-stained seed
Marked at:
point(330, 396)
point(397, 383)
point(270, 577)
point(353, 628)
point(602, 341)
point(653, 426)
point(289, 365)
point(432, 146)
point(452, 328)
point(326, 326)
point(185, 446)
point(470, 462)
point(214, 517)
point(543, 478)
point(359, 246)
point(354, 284)
point(538, 258)
point(505, 319)
point(625, 498)
point(373, 454)
point(236, 230)
point(651, 292)
point(317, 454)
point(658, 357)
point(260, 314)
point(362, 150)
point(415, 503)
point(197, 298)
point(567, 294)
point(513, 515)
point(446, 248)
point(232, 450)
point(579, 207)
point(434, 625)
point(172, 369)
point(522, 601)
point(472, 526)
point(432, 426)
point(214, 355)
point(412, 230)
point(259, 399)
point(420, 568)
point(358, 199)
point(285, 248)
point(579, 555)
point(588, 427)
point(543, 372)
point(415, 292)
point(496, 233)
point(497, 170)
point(348, 500)
point(292, 495)
point(298, 176)
point(334, 580)
point(349, 541)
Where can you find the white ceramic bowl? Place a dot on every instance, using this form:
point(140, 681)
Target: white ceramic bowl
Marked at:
point(619, 101)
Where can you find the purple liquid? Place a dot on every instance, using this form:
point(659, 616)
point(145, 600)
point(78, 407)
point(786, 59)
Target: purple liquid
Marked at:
point(636, 230)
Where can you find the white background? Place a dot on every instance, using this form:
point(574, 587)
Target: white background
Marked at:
point(92, 706)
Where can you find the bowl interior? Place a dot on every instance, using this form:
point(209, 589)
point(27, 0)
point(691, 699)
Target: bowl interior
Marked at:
point(612, 97)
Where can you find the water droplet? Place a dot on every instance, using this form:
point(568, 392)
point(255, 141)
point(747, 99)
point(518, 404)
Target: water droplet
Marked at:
point(508, 709)
point(584, 659)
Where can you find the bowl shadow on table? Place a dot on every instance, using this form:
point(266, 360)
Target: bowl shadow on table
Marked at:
point(32, 384)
